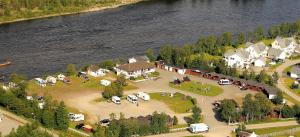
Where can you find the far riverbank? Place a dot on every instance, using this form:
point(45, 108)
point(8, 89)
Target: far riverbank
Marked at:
point(91, 9)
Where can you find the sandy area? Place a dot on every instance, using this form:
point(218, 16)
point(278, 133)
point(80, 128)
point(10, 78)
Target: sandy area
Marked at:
point(7, 124)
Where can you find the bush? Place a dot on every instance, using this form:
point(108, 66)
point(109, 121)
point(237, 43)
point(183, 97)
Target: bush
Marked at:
point(194, 101)
point(175, 120)
point(288, 112)
point(188, 97)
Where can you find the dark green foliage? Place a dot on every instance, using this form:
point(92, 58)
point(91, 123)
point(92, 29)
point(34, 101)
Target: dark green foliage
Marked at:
point(61, 117)
point(29, 131)
point(116, 88)
point(278, 99)
point(228, 111)
point(175, 120)
point(132, 126)
point(259, 34)
point(71, 70)
point(196, 116)
point(108, 64)
point(241, 38)
point(150, 54)
point(288, 112)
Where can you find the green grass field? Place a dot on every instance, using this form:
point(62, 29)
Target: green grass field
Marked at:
point(273, 129)
point(77, 85)
point(268, 120)
point(198, 88)
point(288, 83)
point(178, 103)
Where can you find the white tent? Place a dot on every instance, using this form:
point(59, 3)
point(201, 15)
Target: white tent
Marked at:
point(61, 77)
point(51, 80)
point(105, 82)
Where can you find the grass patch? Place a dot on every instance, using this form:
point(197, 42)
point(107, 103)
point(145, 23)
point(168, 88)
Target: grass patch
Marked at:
point(272, 129)
point(286, 70)
point(269, 120)
point(179, 103)
point(195, 136)
point(77, 85)
point(268, 42)
point(273, 67)
point(154, 74)
point(288, 83)
point(290, 99)
point(179, 126)
point(198, 88)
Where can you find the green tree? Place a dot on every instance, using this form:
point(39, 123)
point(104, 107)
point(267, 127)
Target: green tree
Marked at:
point(71, 70)
point(61, 117)
point(275, 77)
point(228, 111)
point(288, 112)
point(107, 64)
point(278, 99)
point(165, 53)
point(48, 119)
point(175, 120)
point(196, 116)
point(241, 38)
point(259, 33)
point(150, 54)
point(227, 39)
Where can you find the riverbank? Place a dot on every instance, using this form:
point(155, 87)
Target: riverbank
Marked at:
point(84, 10)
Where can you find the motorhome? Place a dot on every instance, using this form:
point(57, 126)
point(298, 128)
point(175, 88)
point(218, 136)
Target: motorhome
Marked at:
point(224, 82)
point(132, 98)
point(199, 127)
point(144, 96)
point(116, 99)
point(76, 117)
point(105, 82)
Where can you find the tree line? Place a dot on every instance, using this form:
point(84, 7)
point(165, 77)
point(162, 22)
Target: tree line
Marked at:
point(14, 9)
point(28, 130)
point(257, 107)
point(50, 114)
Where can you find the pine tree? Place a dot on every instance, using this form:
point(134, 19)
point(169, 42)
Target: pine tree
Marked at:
point(61, 117)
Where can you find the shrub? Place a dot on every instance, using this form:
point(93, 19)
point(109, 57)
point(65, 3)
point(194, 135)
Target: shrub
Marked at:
point(194, 101)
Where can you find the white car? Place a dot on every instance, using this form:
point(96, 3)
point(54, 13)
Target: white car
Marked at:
point(132, 98)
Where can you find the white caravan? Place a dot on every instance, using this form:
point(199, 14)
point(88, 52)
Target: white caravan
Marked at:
point(143, 96)
point(132, 98)
point(224, 82)
point(116, 99)
point(197, 128)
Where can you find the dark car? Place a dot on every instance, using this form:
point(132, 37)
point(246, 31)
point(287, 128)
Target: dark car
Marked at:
point(105, 121)
point(79, 126)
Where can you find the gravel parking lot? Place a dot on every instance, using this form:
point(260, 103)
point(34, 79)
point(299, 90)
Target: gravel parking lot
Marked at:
point(7, 124)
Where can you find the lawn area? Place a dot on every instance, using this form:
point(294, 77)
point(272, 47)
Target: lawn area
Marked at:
point(272, 129)
point(77, 85)
point(179, 103)
point(288, 83)
point(198, 88)
point(290, 99)
point(195, 136)
point(273, 67)
point(269, 120)
point(267, 42)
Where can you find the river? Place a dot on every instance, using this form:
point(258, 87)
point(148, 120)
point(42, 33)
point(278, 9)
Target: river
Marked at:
point(44, 46)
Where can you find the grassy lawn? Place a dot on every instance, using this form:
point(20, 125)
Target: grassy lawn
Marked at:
point(269, 120)
point(288, 82)
point(287, 69)
point(290, 99)
point(77, 85)
point(194, 136)
point(198, 88)
point(272, 129)
point(178, 103)
point(179, 126)
point(267, 41)
point(273, 67)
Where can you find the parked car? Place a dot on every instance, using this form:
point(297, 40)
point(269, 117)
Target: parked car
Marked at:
point(224, 82)
point(144, 96)
point(198, 128)
point(132, 98)
point(116, 99)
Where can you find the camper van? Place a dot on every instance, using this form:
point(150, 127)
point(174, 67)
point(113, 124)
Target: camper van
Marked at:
point(143, 96)
point(132, 98)
point(76, 117)
point(224, 82)
point(116, 99)
point(197, 128)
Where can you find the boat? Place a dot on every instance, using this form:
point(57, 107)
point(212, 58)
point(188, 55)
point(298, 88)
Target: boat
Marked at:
point(5, 63)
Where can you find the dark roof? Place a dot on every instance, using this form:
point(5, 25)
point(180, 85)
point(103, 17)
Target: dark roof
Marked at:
point(136, 66)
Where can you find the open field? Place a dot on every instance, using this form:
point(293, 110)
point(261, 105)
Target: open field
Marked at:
point(61, 90)
point(178, 103)
point(199, 88)
point(272, 129)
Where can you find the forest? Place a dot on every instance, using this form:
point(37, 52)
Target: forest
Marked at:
point(18, 9)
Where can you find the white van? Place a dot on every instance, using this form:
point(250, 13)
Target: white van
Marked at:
point(143, 96)
point(116, 99)
point(224, 82)
point(132, 98)
point(197, 128)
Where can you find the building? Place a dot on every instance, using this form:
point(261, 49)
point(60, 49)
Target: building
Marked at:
point(274, 53)
point(135, 69)
point(239, 58)
point(95, 71)
point(138, 59)
point(260, 62)
point(287, 45)
point(256, 50)
point(295, 72)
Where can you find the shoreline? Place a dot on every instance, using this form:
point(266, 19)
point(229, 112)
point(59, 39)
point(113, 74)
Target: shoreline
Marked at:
point(93, 9)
